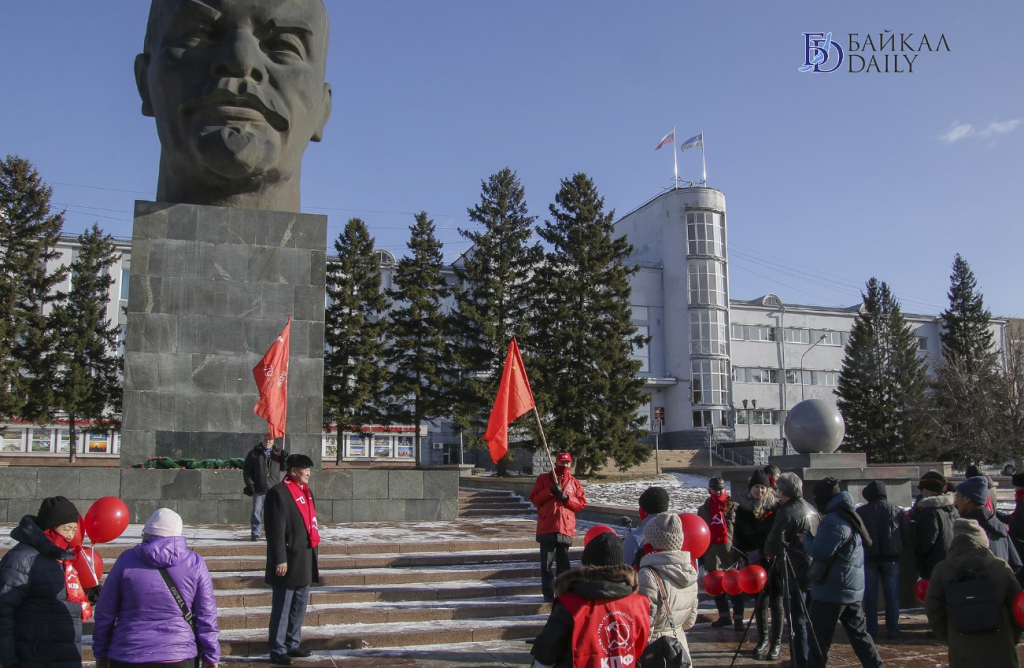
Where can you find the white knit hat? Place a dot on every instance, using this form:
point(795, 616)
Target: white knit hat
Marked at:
point(664, 531)
point(164, 522)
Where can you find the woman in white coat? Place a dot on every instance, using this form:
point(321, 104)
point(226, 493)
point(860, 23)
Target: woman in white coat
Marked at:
point(666, 564)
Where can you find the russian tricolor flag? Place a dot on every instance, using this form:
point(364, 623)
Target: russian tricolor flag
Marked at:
point(667, 139)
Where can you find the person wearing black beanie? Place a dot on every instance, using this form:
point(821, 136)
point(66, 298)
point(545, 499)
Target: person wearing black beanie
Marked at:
point(56, 511)
point(755, 515)
point(837, 592)
point(654, 500)
point(37, 598)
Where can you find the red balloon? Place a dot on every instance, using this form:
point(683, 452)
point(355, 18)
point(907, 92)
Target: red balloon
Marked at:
point(84, 555)
point(1018, 608)
point(731, 582)
point(77, 540)
point(106, 519)
point(596, 530)
point(921, 588)
point(713, 582)
point(752, 579)
point(696, 535)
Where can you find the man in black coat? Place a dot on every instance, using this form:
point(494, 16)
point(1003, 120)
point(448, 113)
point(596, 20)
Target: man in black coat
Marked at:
point(887, 526)
point(794, 519)
point(970, 499)
point(262, 470)
point(933, 516)
point(292, 539)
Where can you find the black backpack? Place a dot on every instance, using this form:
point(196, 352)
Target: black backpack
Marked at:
point(973, 603)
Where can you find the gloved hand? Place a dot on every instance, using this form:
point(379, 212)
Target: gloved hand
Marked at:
point(93, 593)
point(248, 490)
point(556, 491)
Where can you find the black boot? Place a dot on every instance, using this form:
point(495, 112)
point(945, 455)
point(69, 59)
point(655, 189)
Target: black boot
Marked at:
point(724, 618)
point(776, 645)
point(761, 617)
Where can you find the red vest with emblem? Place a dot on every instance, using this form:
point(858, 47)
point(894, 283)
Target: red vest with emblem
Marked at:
point(608, 633)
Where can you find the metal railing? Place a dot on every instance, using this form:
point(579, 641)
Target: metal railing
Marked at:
point(730, 456)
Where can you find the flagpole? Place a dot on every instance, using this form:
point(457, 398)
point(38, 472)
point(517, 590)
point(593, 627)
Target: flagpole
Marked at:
point(543, 440)
point(675, 159)
point(702, 162)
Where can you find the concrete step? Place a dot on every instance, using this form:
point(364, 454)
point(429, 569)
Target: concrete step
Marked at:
point(384, 576)
point(258, 563)
point(495, 512)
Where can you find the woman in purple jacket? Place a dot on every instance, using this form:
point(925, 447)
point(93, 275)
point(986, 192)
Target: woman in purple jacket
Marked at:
point(137, 621)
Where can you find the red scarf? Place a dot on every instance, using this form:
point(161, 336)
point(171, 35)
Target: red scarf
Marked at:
point(1017, 493)
point(304, 500)
point(71, 582)
point(716, 511)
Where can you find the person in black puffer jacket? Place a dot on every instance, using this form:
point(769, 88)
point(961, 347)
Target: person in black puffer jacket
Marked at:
point(932, 517)
point(39, 626)
point(887, 526)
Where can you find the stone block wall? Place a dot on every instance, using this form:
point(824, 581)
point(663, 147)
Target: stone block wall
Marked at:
point(210, 289)
point(215, 496)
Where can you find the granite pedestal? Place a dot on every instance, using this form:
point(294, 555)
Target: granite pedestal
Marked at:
point(210, 290)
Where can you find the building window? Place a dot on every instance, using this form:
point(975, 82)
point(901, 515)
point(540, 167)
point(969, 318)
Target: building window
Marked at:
point(125, 274)
point(707, 332)
point(757, 376)
point(760, 333)
point(739, 332)
point(922, 343)
point(764, 417)
point(640, 313)
point(707, 283)
point(642, 352)
point(709, 381)
point(796, 335)
point(705, 419)
point(705, 233)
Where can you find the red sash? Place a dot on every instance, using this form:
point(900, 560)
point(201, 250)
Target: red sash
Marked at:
point(716, 513)
point(304, 500)
point(71, 582)
point(608, 633)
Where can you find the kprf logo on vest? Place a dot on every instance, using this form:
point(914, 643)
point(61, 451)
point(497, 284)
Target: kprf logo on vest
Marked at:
point(615, 636)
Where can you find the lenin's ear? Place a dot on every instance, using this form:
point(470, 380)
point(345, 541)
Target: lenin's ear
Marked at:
point(142, 83)
point(325, 113)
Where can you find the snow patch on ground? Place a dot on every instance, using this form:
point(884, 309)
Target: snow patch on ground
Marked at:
point(686, 492)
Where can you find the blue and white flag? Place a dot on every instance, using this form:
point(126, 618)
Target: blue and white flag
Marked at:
point(696, 140)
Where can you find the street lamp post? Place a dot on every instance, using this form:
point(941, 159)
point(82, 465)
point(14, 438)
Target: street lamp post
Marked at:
point(711, 445)
point(820, 339)
point(753, 403)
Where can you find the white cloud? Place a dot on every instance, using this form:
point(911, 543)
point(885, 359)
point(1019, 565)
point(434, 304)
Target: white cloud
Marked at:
point(997, 128)
point(958, 130)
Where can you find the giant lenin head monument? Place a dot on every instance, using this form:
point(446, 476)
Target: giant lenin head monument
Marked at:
point(223, 257)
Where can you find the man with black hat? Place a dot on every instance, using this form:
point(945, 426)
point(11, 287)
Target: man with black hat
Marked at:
point(719, 512)
point(837, 575)
point(292, 540)
point(933, 516)
point(42, 604)
point(654, 500)
point(970, 503)
point(558, 496)
point(598, 618)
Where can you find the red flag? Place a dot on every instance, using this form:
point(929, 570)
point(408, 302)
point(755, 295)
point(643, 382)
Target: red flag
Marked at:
point(271, 376)
point(514, 399)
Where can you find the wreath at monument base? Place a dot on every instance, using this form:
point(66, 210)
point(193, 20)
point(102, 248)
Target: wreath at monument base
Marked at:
point(168, 463)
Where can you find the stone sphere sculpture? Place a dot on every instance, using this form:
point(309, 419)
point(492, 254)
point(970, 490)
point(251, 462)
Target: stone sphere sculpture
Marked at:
point(815, 426)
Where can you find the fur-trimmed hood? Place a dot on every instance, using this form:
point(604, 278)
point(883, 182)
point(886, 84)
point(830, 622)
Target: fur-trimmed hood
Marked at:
point(594, 582)
point(936, 502)
point(770, 501)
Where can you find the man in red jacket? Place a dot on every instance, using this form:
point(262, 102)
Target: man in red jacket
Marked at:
point(558, 497)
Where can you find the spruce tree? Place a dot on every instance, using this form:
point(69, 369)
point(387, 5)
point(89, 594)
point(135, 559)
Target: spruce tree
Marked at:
point(882, 384)
point(587, 387)
point(84, 364)
point(418, 352)
point(354, 369)
point(967, 379)
point(493, 296)
point(965, 324)
point(29, 233)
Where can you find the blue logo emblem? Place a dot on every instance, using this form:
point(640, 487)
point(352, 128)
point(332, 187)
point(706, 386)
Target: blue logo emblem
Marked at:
point(818, 53)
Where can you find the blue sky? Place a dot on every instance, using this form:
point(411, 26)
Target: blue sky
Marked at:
point(830, 178)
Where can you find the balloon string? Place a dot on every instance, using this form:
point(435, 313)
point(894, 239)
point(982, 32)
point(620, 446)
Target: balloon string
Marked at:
point(89, 559)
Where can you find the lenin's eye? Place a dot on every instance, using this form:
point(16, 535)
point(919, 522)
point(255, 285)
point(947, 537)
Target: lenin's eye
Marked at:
point(285, 43)
point(197, 35)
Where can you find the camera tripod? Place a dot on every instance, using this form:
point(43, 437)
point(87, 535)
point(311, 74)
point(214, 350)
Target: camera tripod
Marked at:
point(784, 563)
